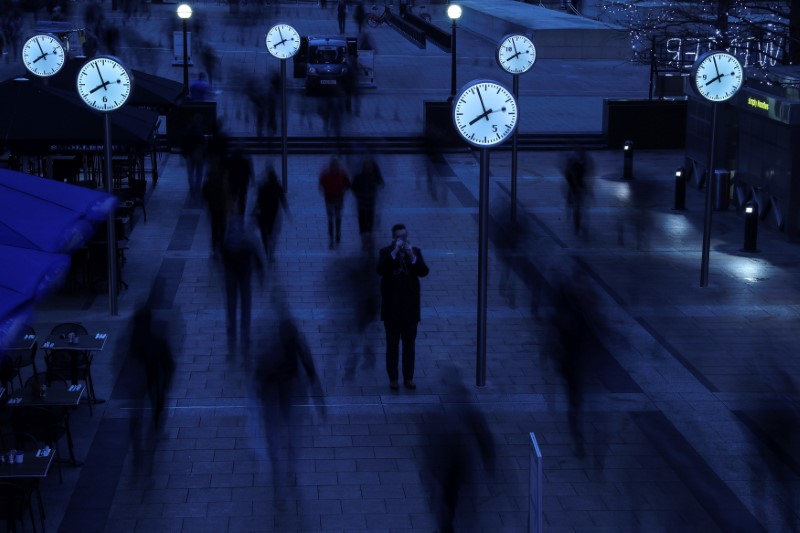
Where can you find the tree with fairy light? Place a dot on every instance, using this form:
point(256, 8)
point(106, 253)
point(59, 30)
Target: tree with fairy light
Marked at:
point(671, 35)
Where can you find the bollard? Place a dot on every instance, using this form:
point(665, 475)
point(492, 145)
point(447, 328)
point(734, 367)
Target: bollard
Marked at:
point(750, 227)
point(627, 164)
point(680, 190)
point(721, 190)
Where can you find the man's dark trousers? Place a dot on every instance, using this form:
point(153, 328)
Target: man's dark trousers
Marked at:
point(395, 332)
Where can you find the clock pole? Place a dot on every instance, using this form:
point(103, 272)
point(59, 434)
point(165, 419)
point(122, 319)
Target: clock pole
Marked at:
point(483, 263)
point(515, 92)
point(284, 136)
point(709, 185)
point(111, 236)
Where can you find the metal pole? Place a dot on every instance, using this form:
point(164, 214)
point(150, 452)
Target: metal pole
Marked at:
point(453, 61)
point(111, 236)
point(515, 90)
point(709, 186)
point(653, 69)
point(483, 260)
point(185, 60)
point(284, 137)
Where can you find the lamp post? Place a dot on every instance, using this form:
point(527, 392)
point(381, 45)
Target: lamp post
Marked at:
point(185, 12)
point(454, 12)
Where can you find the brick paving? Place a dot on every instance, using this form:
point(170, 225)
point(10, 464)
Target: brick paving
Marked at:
point(675, 427)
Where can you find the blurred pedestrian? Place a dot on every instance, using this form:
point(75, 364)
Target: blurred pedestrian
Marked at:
point(240, 253)
point(366, 185)
point(200, 89)
point(400, 266)
point(572, 344)
point(356, 294)
point(458, 441)
point(576, 169)
point(360, 15)
point(193, 152)
point(214, 189)
point(334, 182)
point(154, 367)
point(278, 379)
point(11, 26)
point(341, 14)
point(270, 198)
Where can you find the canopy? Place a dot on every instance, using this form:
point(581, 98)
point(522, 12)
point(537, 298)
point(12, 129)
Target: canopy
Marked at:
point(41, 222)
point(35, 119)
point(149, 91)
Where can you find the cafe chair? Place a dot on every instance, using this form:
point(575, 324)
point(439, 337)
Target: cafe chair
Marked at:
point(14, 502)
point(69, 363)
point(26, 358)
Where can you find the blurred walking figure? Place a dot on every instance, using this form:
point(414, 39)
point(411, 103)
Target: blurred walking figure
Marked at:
point(358, 297)
point(240, 252)
point(200, 89)
point(572, 344)
point(269, 200)
point(576, 169)
point(278, 379)
point(778, 445)
point(334, 182)
point(193, 151)
point(366, 184)
point(341, 14)
point(154, 361)
point(214, 188)
point(360, 15)
point(400, 266)
point(459, 442)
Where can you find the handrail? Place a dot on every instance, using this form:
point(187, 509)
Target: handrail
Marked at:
point(435, 34)
point(408, 30)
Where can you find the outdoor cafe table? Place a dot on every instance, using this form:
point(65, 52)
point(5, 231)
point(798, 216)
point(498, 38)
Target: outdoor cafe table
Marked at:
point(21, 342)
point(35, 464)
point(58, 395)
point(93, 342)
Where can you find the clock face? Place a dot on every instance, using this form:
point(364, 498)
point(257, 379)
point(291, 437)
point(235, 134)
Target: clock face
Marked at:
point(43, 55)
point(283, 41)
point(516, 54)
point(104, 84)
point(485, 113)
point(716, 76)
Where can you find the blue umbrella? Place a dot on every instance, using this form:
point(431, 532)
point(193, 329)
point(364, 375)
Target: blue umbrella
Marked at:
point(41, 222)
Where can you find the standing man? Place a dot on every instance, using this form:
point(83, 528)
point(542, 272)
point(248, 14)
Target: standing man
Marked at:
point(400, 266)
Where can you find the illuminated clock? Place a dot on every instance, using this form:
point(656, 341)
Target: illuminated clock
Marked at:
point(104, 83)
point(516, 54)
point(485, 113)
point(43, 55)
point(283, 41)
point(717, 76)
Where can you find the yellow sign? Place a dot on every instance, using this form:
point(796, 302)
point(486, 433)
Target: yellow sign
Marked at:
point(757, 103)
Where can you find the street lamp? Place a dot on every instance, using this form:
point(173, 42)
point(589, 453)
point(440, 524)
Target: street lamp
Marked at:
point(454, 12)
point(184, 12)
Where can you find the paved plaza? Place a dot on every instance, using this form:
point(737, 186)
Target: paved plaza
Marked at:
point(691, 401)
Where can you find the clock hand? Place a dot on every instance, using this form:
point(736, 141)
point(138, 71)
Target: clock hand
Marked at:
point(485, 115)
point(715, 65)
point(101, 86)
point(40, 57)
point(517, 53)
point(104, 83)
point(712, 80)
point(481, 99)
point(40, 47)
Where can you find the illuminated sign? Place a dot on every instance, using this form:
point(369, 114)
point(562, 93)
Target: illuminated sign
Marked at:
point(757, 103)
point(751, 52)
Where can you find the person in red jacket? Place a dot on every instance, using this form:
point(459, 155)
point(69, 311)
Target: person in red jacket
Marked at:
point(334, 182)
